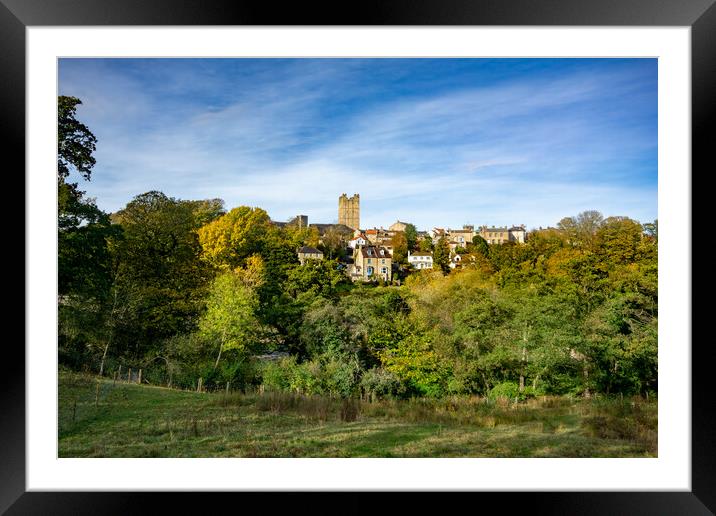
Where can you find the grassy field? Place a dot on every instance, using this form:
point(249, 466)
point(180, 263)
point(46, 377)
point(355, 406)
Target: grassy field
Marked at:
point(99, 419)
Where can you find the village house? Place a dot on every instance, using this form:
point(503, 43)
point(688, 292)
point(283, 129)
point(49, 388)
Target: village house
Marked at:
point(388, 245)
point(378, 236)
point(421, 260)
point(437, 233)
point(371, 262)
point(358, 240)
point(462, 236)
point(518, 234)
point(309, 253)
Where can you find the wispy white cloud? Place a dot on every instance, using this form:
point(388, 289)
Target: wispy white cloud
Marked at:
point(531, 150)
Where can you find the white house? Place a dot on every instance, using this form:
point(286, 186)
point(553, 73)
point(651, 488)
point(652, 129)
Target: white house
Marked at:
point(359, 241)
point(421, 260)
point(517, 234)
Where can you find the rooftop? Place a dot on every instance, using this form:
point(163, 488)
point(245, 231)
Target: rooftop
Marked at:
point(309, 250)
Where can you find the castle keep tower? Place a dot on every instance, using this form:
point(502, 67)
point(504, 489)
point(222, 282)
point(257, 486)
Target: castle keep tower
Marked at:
point(349, 211)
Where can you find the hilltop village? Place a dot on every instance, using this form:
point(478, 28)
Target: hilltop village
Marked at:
point(385, 255)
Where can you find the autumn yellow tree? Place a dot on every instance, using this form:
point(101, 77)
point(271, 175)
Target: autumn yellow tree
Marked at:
point(229, 240)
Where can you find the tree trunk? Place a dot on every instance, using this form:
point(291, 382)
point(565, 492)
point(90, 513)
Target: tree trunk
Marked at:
point(218, 357)
point(104, 355)
point(221, 346)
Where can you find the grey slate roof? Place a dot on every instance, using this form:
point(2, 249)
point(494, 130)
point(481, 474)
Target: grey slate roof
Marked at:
point(309, 250)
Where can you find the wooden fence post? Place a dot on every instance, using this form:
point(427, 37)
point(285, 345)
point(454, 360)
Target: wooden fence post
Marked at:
point(139, 380)
point(198, 385)
point(129, 375)
point(227, 388)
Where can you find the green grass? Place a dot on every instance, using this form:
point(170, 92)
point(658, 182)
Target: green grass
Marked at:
point(129, 420)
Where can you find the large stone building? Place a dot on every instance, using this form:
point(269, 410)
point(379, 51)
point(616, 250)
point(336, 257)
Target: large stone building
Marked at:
point(349, 211)
point(502, 235)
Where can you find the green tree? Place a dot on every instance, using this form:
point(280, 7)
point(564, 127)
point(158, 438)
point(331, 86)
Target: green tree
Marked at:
point(441, 255)
point(426, 244)
point(83, 257)
point(411, 234)
point(580, 230)
point(480, 245)
point(230, 319)
point(75, 147)
point(86, 305)
point(617, 240)
point(400, 248)
point(333, 244)
point(315, 278)
point(160, 279)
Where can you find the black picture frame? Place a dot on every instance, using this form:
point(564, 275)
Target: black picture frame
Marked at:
point(699, 15)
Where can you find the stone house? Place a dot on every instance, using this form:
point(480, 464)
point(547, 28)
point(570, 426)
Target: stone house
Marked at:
point(308, 253)
point(371, 262)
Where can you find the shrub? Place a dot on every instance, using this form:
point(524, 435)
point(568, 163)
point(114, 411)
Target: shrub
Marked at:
point(380, 383)
point(508, 390)
point(305, 378)
point(276, 376)
point(340, 378)
point(531, 392)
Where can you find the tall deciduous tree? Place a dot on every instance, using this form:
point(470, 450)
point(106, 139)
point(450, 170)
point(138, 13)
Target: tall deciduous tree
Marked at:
point(230, 320)
point(333, 244)
point(581, 229)
point(400, 248)
point(83, 259)
point(480, 245)
point(426, 244)
point(411, 234)
point(160, 276)
point(229, 240)
point(441, 255)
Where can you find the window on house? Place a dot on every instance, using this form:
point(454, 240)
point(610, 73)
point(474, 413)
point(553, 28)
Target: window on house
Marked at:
point(369, 270)
point(384, 270)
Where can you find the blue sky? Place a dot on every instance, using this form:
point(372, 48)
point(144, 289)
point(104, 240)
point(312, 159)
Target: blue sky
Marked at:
point(437, 142)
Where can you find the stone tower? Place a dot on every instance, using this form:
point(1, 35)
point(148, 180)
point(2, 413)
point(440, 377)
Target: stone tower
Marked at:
point(349, 211)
